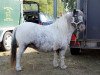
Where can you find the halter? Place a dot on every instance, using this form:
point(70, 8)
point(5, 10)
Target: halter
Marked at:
point(76, 23)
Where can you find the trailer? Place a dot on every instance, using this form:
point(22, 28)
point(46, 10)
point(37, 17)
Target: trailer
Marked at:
point(12, 14)
point(10, 17)
point(90, 38)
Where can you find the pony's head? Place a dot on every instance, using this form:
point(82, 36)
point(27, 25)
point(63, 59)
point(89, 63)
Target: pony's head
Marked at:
point(77, 20)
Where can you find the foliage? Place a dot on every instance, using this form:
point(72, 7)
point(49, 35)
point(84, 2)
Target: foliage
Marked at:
point(46, 6)
point(70, 4)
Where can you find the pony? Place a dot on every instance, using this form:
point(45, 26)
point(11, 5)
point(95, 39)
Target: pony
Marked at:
point(55, 37)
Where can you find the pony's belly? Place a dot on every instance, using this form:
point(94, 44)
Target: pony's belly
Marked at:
point(42, 48)
point(45, 48)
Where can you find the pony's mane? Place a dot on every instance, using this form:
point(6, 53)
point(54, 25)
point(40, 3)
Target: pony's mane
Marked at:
point(63, 22)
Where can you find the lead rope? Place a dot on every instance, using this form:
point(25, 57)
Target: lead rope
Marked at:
point(77, 36)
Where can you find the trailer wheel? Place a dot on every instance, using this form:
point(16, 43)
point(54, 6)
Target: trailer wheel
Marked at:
point(75, 51)
point(6, 43)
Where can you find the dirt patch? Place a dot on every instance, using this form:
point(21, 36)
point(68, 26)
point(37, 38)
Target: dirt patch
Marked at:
point(39, 63)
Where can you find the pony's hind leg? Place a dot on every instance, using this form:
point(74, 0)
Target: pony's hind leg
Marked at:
point(62, 58)
point(18, 58)
point(55, 60)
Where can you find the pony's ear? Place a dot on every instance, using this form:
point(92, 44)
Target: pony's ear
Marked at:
point(74, 12)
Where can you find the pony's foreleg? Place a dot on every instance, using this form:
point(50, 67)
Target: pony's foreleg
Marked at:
point(18, 58)
point(62, 58)
point(55, 60)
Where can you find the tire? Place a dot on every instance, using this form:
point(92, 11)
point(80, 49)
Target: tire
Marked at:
point(75, 51)
point(6, 43)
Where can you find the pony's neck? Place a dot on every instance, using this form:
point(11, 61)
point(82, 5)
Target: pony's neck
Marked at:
point(69, 16)
point(63, 24)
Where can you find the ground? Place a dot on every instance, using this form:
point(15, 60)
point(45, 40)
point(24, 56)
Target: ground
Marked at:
point(39, 63)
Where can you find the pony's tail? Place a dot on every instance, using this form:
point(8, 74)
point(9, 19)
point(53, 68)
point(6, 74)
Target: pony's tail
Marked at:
point(13, 48)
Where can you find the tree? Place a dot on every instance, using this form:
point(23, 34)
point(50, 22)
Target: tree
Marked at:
point(70, 4)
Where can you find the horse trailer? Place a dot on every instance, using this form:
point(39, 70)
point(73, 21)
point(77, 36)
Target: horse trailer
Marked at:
point(11, 15)
point(90, 38)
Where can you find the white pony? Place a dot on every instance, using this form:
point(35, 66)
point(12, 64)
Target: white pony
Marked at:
point(55, 37)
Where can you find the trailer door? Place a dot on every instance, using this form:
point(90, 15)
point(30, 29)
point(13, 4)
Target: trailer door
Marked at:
point(93, 19)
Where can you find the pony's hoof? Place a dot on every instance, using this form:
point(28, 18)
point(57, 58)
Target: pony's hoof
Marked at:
point(18, 68)
point(55, 66)
point(63, 67)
